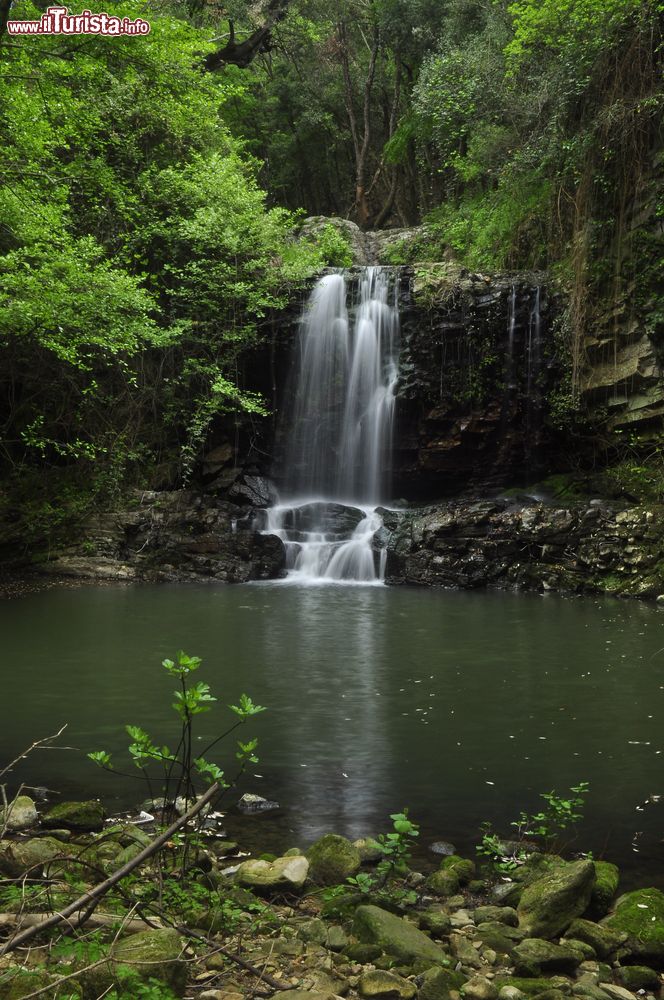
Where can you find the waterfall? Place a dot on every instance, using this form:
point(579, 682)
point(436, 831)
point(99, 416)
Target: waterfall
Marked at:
point(339, 430)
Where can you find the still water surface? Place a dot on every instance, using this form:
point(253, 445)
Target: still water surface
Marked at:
point(462, 706)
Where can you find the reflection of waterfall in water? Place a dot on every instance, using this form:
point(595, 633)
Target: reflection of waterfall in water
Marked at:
point(339, 430)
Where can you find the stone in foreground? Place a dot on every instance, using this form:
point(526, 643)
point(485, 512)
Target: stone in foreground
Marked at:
point(640, 915)
point(386, 984)
point(397, 937)
point(549, 905)
point(284, 873)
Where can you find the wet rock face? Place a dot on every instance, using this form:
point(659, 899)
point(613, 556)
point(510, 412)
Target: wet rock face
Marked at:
point(583, 548)
point(181, 535)
point(477, 363)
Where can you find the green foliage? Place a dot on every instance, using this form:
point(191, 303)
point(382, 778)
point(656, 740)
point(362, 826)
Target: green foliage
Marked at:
point(333, 247)
point(560, 813)
point(178, 770)
point(382, 884)
point(138, 256)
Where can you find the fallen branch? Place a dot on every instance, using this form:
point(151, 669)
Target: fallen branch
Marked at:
point(86, 904)
point(95, 921)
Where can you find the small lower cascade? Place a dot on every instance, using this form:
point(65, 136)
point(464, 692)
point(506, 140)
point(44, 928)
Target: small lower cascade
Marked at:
point(339, 431)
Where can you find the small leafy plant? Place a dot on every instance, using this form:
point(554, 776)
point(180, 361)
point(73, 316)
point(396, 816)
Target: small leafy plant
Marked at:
point(560, 813)
point(395, 848)
point(180, 770)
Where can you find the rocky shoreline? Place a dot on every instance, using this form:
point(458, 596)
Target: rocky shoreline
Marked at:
point(519, 543)
point(316, 922)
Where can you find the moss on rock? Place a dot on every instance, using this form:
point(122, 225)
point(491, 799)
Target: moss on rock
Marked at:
point(396, 936)
point(84, 816)
point(463, 868)
point(548, 906)
point(333, 859)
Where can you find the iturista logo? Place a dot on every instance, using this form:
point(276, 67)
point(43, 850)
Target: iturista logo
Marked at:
point(60, 21)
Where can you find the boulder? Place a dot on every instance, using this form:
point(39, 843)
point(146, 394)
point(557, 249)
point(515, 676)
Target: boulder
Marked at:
point(395, 936)
point(640, 915)
point(19, 857)
point(20, 814)
point(436, 921)
point(461, 867)
point(81, 816)
point(603, 940)
point(531, 987)
point(548, 906)
point(154, 954)
point(370, 850)
point(443, 883)
point(535, 956)
point(386, 984)
point(283, 873)
point(333, 859)
point(18, 982)
point(438, 983)
point(498, 914)
point(479, 988)
point(639, 977)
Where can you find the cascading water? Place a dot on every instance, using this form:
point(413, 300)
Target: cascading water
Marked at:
point(339, 431)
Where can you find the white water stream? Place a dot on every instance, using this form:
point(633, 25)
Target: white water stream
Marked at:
point(339, 431)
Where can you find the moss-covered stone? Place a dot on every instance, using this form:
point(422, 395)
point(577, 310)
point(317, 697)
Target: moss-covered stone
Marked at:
point(17, 983)
point(531, 987)
point(85, 816)
point(535, 955)
point(155, 954)
point(462, 868)
point(639, 977)
point(438, 983)
point(605, 889)
point(603, 940)
point(443, 883)
point(498, 914)
point(266, 876)
point(18, 857)
point(640, 914)
point(380, 983)
point(362, 953)
point(436, 921)
point(332, 860)
point(548, 906)
point(20, 814)
point(395, 936)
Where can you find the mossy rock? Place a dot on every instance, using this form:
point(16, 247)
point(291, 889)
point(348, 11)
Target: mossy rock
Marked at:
point(18, 857)
point(496, 914)
point(20, 814)
point(534, 956)
point(461, 867)
point(155, 954)
point(436, 921)
point(380, 983)
point(438, 983)
point(443, 883)
point(639, 977)
point(272, 876)
point(86, 816)
point(396, 936)
point(603, 940)
point(548, 905)
point(332, 860)
point(17, 983)
point(533, 986)
point(606, 886)
point(364, 954)
point(640, 914)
